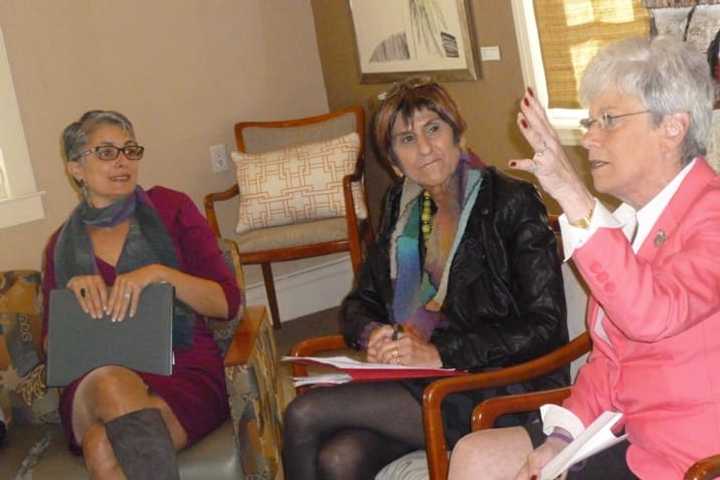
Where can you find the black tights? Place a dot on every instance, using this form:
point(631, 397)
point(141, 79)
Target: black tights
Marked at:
point(350, 431)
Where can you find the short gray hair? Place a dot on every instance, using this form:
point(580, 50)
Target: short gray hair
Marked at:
point(666, 74)
point(75, 135)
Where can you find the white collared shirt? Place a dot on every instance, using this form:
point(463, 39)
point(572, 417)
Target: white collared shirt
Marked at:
point(625, 217)
point(636, 226)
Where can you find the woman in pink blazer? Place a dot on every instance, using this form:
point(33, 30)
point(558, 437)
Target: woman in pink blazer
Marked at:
point(652, 267)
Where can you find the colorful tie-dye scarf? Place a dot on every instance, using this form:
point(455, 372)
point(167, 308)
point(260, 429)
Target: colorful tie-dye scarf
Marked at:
point(417, 303)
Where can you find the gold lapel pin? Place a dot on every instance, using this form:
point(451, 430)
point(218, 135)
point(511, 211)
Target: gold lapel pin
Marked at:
point(660, 237)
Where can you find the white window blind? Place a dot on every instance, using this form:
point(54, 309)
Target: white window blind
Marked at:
point(572, 31)
point(556, 40)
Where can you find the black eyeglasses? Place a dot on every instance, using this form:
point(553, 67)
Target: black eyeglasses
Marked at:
point(606, 121)
point(109, 153)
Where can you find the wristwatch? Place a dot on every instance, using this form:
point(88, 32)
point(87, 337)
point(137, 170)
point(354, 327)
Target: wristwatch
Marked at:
point(584, 222)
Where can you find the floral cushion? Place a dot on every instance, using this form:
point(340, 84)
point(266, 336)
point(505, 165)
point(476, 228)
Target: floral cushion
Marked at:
point(24, 396)
point(256, 401)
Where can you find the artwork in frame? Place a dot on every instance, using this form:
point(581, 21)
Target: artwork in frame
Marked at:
point(398, 38)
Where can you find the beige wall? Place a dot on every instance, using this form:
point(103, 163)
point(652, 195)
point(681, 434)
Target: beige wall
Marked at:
point(489, 104)
point(183, 71)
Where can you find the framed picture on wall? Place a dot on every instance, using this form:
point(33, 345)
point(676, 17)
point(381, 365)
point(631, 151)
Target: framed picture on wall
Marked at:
point(398, 38)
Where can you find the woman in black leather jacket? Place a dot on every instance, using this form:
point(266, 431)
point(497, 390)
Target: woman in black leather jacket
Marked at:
point(465, 262)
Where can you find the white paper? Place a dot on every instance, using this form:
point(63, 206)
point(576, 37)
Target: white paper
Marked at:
point(597, 437)
point(323, 379)
point(342, 362)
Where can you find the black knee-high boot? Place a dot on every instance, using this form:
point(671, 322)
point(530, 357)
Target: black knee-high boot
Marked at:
point(142, 445)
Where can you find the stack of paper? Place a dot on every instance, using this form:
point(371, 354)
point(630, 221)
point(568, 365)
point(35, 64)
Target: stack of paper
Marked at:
point(323, 379)
point(355, 370)
point(596, 437)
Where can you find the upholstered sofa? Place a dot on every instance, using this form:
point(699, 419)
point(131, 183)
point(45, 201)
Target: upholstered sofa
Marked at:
point(246, 446)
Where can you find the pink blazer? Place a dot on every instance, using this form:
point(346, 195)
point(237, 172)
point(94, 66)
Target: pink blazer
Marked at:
point(658, 360)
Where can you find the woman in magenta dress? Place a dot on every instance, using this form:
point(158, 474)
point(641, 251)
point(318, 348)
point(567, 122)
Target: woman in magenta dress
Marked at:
point(118, 240)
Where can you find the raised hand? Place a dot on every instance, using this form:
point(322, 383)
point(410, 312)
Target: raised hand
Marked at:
point(550, 164)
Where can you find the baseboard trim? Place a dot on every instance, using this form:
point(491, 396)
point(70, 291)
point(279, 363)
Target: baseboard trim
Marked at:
point(308, 290)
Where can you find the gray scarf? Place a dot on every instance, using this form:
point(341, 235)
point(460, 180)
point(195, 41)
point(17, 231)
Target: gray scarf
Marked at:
point(147, 242)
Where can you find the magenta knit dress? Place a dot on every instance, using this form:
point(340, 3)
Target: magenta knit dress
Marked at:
point(196, 389)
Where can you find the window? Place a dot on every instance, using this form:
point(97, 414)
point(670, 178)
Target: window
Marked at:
point(20, 201)
point(556, 40)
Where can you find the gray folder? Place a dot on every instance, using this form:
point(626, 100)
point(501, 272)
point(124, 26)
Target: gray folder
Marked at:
point(78, 343)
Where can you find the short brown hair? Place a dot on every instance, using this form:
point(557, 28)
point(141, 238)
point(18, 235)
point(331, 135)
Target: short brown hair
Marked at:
point(407, 97)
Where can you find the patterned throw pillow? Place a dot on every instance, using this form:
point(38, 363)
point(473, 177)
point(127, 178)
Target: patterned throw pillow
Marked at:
point(24, 396)
point(296, 184)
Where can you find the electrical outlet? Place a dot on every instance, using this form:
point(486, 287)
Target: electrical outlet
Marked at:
point(218, 158)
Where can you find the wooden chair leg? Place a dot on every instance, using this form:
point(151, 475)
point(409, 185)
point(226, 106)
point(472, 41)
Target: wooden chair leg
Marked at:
point(271, 296)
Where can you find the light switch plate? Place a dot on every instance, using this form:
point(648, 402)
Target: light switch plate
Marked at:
point(490, 53)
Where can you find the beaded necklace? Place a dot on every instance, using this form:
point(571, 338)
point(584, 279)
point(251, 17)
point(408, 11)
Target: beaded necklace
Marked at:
point(426, 216)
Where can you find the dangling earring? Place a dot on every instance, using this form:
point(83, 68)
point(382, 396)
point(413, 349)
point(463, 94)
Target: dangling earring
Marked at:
point(84, 190)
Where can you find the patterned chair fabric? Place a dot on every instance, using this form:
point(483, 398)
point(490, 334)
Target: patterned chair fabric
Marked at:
point(23, 394)
point(256, 403)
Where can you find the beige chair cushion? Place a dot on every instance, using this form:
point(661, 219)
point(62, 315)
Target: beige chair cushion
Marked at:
point(296, 184)
point(293, 235)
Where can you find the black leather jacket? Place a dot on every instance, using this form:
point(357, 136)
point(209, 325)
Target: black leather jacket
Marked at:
point(505, 302)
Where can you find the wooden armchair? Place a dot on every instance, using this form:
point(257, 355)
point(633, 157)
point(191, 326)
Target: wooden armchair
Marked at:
point(436, 392)
point(487, 412)
point(303, 240)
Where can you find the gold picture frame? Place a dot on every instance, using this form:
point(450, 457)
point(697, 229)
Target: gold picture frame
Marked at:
point(399, 38)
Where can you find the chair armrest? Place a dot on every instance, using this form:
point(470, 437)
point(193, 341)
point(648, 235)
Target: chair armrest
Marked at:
point(704, 469)
point(254, 394)
point(436, 392)
point(485, 414)
point(241, 347)
point(353, 230)
point(209, 203)
point(311, 346)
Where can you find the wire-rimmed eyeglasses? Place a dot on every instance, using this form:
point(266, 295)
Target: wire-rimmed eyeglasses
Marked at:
point(109, 153)
point(606, 121)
